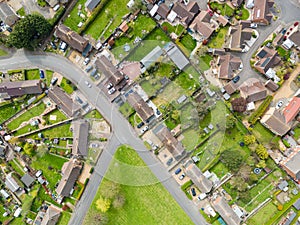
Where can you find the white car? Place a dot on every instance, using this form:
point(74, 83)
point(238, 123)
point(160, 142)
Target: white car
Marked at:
point(144, 129)
point(88, 84)
point(279, 104)
point(253, 25)
point(182, 176)
point(111, 91)
point(86, 61)
point(109, 86)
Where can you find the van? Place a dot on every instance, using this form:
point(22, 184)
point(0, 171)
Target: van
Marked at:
point(55, 8)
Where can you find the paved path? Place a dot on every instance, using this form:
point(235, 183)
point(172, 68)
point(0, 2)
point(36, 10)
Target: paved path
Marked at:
point(123, 133)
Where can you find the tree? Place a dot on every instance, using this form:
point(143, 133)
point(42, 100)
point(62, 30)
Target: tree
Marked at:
point(28, 31)
point(231, 159)
point(118, 202)
point(41, 150)
point(230, 121)
point(249, 139)
point(245, 197)
point(103, 204)
point(138, 4)
point(239, 183)
point(250, 160)
point(110, 189)
point(175, 115)
point(29, 149)
point(261, 151)
point(100, 219)
point(261, 164)
point(202, 109)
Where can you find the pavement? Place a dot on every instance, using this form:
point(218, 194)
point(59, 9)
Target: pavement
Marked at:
point(122, 132)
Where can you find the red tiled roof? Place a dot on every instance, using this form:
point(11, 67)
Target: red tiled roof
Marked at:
point(292, 109)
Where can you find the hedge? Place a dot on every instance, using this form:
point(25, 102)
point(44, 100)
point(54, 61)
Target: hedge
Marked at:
point(261, 110)
point(10, 72)
point(186, 185)
point(53, 21)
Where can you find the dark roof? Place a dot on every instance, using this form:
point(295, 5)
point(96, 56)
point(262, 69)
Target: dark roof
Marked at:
point(19, 88)
point(80, 137)
point(63, 101)
point(71, 171)
point(271, 85)
point(144, 111)
point(253, 90)
point(230, 88)
point(262, 53)
point(91, 4)
point(71, 37)
point(186, 12)
point(51, 216)
point(163, 10)
point(228, 64)
point(108, 69)
point(7, 15)
point(199, 179)
point(239, 104)
point(295, 37)
point(2, 150)
point(268, 58)
point(27, 180)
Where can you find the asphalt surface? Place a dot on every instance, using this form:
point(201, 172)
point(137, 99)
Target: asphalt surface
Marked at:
point(122, 133)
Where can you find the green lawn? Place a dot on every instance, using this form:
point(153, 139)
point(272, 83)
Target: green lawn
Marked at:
point(74, 19)
point(188, 43)
point(297, 132)
point(59, 117)
point(263, 215)
point(188, 80)
point(204, 62)
point(218, 39)
point(2, 52)
point(42, 3)
point(178, 29)
point(27, 115)
point(224, 9)
point(245, 13)
point(144, 204)
point(191, 139)
point(64, 218)
point(60, 131)
point(67, 86)
point(21, 12)
point(93, 115)
point(7, 111)
point(50, 165)
point(263, 135)
point(49, 75)
point(32, 74)
point(126, 109)
point(109, 18)
point(220, 170)
point(151, 86)
point(25, 130)
point(17, 167)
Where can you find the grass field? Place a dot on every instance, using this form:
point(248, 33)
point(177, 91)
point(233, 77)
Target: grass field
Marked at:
point(27, 115)
point(263, 135)
point(59, 117)
point(7, 111)
point(204, 62)
point(50, 165)
point(21, 12)
point(93, 115)
point(60, 131)
point(188, 43)
point(2, 52)
point(145, 205)
point(126, 110)
point(74, 19)
point(178, 29)
point(109, 18)
point(67, 86)
point(218, 39)
point(32, 74)
point(49, 75)
point(225, 9)
point(264, 214)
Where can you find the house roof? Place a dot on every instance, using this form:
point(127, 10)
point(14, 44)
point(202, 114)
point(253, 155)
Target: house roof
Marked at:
point(171, 143)
point(225, 211)
point(198, 178)
point(51, 216)
point(7, 15)
point(80, 137)
point(11, 184)
point(268, 58)
point(253, 90)
point(239, 104)
point(297, 204)
point(261, 11)
point(187, 12)
point(176, 55)
point(71, 37)
point(291, 163)
point(222, 20)
point(91, 4)
point(63, 101)
point(52, 3)
point(144, 111)
point(228, 64)
point(283, 184)
point(27, 180)
point(275, 122)
point(71, 171)
point(238, 35)
point(109, 70)
point(295, 37)
point(152, 57)
point(124, 27)
point(292, 109)
point(202, 24)
point(163, 10)
point(230, 88)
point(237, 3)
point(271, 85)
point(19, 88)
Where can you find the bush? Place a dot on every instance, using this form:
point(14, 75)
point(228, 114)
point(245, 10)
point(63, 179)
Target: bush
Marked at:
point(186, 185)
point(53, 21)
point(261, 110)
point(285, 142)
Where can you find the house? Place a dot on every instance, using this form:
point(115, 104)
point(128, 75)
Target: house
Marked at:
point(295, 38)
point(163, 11)
point(70, 173)
point(239, 104)
point(238, 35)
point(230, 88)
point(170, 142)
point(18, 88)
point(237, 3)
point(261, 12)
point(28, 180)
point(176, 55)
point(292, 110)
point(11, 183)
point(80, 137)
point(228, 66)
point(63, 101)
point(51, 216)
point(271, 85)
point(73, 39)
point(297, 204)
point(90, 5)
point(144, 111)
point(266, 58)
point(222, 20)
point(226, 212)
point(275, 122)
point(185, 13)
point(203, 25)
point(253, 90)
point(199, 180)
point(109, 70)
point(7, 15)
point(283, 185)
point(4, 194)
point(52, 3)
point(152, 57)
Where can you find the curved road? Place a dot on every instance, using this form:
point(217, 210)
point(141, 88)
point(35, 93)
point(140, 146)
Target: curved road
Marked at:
point(123, 133)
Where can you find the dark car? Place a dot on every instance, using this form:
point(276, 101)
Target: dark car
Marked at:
point(193, 191)
point(9, 29)
point(236, 79)
point(140, 125)
point(42, 74)
point(178, 171)
point(53, 45)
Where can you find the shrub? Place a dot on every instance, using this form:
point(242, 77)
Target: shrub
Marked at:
point(285, 142)
point(53, 21)
point(261, 110)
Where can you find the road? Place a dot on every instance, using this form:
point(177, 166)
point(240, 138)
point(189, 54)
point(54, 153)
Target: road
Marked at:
point(122, 132)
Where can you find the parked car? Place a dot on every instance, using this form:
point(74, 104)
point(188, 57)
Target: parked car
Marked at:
point(182, 176)
point(88, 68)
point(236, 79)
point(193, 191)
point(109, 86)
point(279, 104)
point(140, 124)
point(88, 84)
point(111, 91)
point(53, 45)
point(42, 74)
point(169, 162)
point(93, 73)
point(253, 25)
point(86, 61)
point(54, 80)
point(177, 171)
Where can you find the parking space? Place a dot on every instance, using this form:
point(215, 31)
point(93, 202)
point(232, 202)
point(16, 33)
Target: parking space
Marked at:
point(179, 175)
